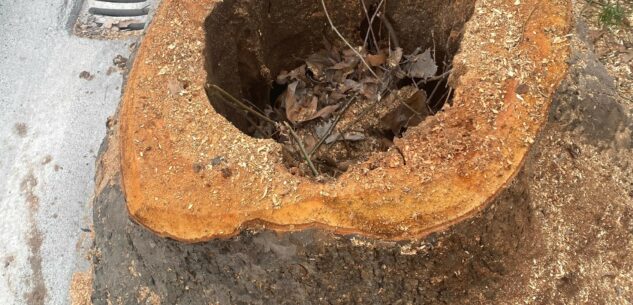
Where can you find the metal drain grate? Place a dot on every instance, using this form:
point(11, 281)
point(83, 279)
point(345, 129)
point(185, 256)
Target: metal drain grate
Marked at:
point(112, 19)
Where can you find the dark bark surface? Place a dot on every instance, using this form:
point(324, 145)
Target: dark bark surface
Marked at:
point(310, 267)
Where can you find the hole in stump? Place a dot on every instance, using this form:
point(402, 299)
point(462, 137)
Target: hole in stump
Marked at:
point(278, 70)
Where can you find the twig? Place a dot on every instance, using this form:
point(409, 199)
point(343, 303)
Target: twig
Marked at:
point(347, 42)
point(392, 32)
point(234, 100)
point(437, 77)
point(415, 112)
point(434, 49)
point(385, 90)
point(250, 120)
point(450, 91)
point(332, 126)
point(302, 149)
point(370, 29)
point(371, 23)
point(428, 107)
point(523, 28)
point(358, 118)
point(434, 90)
point(446, 95)
point(253, 105)
point(259, 128)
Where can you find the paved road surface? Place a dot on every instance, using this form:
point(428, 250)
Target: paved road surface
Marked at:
point(51, 125)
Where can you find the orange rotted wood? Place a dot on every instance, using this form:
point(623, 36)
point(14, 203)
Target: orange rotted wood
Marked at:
point(190, 175)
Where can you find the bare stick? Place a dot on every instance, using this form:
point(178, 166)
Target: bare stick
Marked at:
point(371, 22)
point(253, 105)
point(250, 120)
point(358, 118)
point(384, 91)
point(392, 32)
point(437, 77)
point(450, 91)
point(434, 50)
point(434, 90)
point(234, 100)
point(347, 42)
point(331, 128)
point(415, 112)
point(259, 128)
point(302, 149)
point(524, 26)
point(370, 29)
point(428, 107)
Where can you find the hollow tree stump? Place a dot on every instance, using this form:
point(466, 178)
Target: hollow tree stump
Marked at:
point(490, 259)
point(192, 175)
point(344, 243)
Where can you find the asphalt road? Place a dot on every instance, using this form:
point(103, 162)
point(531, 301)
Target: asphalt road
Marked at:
point(51, 125)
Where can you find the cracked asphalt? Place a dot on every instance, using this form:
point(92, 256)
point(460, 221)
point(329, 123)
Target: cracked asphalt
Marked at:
point(52, 122)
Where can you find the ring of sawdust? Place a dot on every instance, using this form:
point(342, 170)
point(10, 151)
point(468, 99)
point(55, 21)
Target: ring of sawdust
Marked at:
point(189, 174)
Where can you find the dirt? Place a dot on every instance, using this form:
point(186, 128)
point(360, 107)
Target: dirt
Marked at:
point(86, 75)
point(46, 160)
point(81, 288)
point(612, 44)
point(21, 129)
point(8, 260)
point(38, 291)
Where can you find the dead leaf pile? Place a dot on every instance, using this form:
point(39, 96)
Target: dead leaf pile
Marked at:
point(344, 103)
point(342, 111)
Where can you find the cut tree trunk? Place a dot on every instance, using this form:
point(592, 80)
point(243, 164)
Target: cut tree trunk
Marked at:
point(473, 245)
point(190, 174)
point(514, 251)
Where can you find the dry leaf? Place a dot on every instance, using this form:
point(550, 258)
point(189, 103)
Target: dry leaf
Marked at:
point(309, 141)
point(376, 60)
point(325, 112)
point(301, 110)
point(321, 129)
point(295, 110)
point(422, 65)
point(404, 115)
point(350, 84)
point(394, 58)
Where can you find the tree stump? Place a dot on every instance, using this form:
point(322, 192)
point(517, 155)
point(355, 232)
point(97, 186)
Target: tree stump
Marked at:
point(190, 174)
point(473, 246)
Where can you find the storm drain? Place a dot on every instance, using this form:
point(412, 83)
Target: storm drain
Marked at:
point(113, 19)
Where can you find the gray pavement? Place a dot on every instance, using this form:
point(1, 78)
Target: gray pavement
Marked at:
point(51, 125)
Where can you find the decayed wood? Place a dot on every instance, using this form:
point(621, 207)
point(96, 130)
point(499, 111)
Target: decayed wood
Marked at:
point(190, 175)
point(556, 235)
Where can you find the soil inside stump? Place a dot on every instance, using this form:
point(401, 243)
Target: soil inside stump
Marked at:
point(280, 71)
